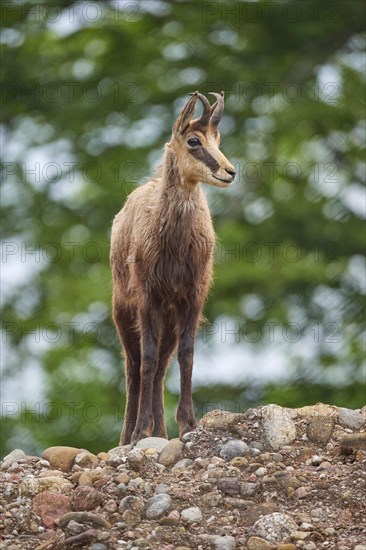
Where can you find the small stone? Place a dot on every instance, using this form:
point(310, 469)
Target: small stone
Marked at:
point(157, 443)
point(224, 543)
point(183, 463)
point(50, 507)
point(248, 489)
point(87, 519)
point(278, 427)
point(320, 429)
point(117, 455)
point(98, 546)
point(258, 543)
point(162, 488)
point(135, 458)
point(329, 531)
point(86, 498)
point(229, 486)
point(310, 546)
point(220, 420)
point(85, 478)
point(233, 448)
point(157, 506)
point(316, 460)
point(61, 458)
point(15, 455)
point(85, 459)
point(122, 478)
point(261, 472)
point(171, 453)
point(110, 506)
point(299, 535)
point(103, 456)
point(288, 546)
point(301, 493)
point(136, 504)
point(30, 486)
point(171, 519)
point(238, 462)
point(275, 527)
point(350, 419)
point(360, 547)
point(191, 515)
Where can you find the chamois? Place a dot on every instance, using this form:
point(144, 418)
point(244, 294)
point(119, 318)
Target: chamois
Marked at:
point(161, 259)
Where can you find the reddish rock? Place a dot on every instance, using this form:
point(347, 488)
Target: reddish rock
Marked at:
point(50, 507)
point(86, 498)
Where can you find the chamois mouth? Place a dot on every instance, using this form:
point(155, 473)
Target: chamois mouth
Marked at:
point(220, 179)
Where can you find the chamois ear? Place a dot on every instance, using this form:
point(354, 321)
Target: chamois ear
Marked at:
point(186, 115)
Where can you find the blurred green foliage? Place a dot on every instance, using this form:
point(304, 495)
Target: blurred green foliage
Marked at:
point(90, 93)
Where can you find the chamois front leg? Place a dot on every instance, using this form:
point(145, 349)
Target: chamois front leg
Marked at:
point(188, 321)
point(149, 362)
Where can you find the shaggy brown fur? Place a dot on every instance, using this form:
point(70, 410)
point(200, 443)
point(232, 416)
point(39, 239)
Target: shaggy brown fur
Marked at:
point(161, 259)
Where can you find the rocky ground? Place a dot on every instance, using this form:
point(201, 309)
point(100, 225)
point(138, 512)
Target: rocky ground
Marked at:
point(271, 478)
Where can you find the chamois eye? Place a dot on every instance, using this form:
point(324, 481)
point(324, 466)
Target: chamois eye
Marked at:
point(193, 142)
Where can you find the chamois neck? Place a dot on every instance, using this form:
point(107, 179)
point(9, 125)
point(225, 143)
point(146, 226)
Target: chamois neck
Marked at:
point(173, 177)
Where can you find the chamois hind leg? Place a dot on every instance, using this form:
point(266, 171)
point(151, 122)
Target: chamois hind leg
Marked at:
point(188, 318)
point(167, 344)
point(149, 322)
point(125, 320)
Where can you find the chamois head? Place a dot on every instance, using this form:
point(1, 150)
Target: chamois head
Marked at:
point(196, 144)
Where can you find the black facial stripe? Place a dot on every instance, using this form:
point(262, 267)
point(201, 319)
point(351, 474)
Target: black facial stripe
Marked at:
point(204, 156)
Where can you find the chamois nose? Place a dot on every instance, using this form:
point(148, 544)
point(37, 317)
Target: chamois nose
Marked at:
point(231, 172)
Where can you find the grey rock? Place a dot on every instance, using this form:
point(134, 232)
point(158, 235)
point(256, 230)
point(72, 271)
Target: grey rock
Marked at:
point(98, 546)
point(135, 458)
point(15, 455)
point(157, 506)
point(171, 453)
point(162, 488)
point(274, 527)
point(350, 419)
point(248, 489)
point(182, 463)
point(74, 528)
point(136, 504)
point(191, 515)
point(229, 486)
point(233, 448)
point(157, 443)
point(278, 428)
point(224, 543)
point(117, 455)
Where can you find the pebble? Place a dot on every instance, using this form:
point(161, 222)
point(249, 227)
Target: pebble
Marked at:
point(157, 443)
point(30, 486)
point(220, 420)
point(275, 527)
point(157, 506)
point(229, 486)
point(258, 543)
point(278, 427)
point(261, 472)
point(98, 546)
point(320, 429)
point(15, 455)
point(50, 507)
point(224, 543)
point(85, 459)
point(162, 488)
point(82, 518)
point(350, 419)
point(183, 463)
point(117, 455)
point(248, 489)
point(136, 504)
point(234, 448)
point(135, 458)
point(191, 515)
point(61, 458)
point(171, 453)
point(86, 497)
